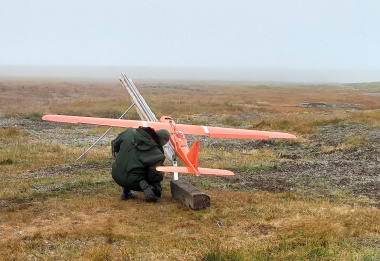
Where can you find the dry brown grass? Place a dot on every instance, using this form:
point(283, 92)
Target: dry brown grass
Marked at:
point(21, 151)
point(235, 159)
point(75, 214)
point(108, 98)
point(278, 227)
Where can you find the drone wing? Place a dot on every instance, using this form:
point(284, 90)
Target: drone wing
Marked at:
point(106, 122)
point(212, 132)
point(230, 133)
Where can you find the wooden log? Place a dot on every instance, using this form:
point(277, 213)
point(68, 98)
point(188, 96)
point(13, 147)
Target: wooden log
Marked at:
point(189, 195)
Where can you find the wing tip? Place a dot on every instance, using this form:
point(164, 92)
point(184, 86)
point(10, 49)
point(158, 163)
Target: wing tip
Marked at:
point(290, 136)
point(46, 117)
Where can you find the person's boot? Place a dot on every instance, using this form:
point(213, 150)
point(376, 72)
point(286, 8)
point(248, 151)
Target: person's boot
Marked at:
point(148, 191)
point(127, 194)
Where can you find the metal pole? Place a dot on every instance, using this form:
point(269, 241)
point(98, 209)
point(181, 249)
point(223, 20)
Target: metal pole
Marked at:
point(141, 100)
point(104, 134)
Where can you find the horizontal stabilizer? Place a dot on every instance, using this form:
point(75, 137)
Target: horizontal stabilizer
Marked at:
point(202, 171)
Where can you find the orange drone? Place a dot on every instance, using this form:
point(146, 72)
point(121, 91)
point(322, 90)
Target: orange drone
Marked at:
point(178, 143)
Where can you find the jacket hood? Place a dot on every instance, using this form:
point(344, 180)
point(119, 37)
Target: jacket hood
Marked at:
point(143, 141)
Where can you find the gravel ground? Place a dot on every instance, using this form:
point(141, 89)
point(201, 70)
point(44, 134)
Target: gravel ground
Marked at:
point(301, 166)
point(307, 165)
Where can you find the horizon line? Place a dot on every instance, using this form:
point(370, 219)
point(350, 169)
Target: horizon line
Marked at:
point(307, 75)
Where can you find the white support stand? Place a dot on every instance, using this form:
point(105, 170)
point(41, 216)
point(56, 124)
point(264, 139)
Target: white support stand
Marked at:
point(175, 174)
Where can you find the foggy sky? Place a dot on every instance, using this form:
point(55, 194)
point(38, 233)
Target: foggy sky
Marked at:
point(274, 40)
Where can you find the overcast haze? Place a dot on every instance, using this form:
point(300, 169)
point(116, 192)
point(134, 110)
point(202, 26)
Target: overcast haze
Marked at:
point(229, 40)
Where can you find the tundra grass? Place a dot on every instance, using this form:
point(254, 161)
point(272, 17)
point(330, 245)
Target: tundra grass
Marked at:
point(241, 225)
point(110, 99)
point(353, 141)
point(75, 212)
point(21, 151)
point(53, 208)
point(235, 159)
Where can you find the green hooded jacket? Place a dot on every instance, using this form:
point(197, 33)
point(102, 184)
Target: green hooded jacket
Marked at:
point(138, 154)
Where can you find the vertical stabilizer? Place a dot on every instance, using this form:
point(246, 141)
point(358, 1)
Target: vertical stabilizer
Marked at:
point(193, 154)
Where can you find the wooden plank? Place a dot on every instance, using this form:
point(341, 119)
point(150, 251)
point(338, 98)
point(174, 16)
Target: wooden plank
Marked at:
point(189, 195)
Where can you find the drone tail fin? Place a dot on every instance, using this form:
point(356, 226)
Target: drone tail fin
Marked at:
point(193, 154)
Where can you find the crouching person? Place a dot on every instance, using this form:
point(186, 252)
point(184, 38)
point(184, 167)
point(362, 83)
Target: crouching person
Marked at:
point(137, 152)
